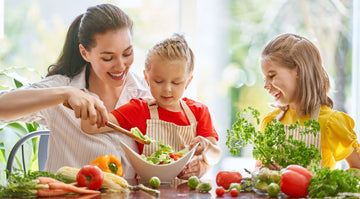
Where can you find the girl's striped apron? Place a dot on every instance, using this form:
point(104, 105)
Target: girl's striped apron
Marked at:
point(167, 132)
point(307, 138)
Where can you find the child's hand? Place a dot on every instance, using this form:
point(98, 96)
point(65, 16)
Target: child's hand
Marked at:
point(203, 144)
point(196, 167)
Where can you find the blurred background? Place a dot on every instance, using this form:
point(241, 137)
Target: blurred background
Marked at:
point(226, 35)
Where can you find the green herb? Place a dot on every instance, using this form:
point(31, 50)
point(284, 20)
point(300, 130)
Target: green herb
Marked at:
point(272, 145)
point(25, 184)
point(327, 183)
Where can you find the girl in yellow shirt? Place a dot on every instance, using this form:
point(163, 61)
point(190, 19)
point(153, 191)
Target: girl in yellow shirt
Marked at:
point(294, 76)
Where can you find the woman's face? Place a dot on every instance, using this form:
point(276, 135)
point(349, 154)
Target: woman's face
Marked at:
point(110, 58)
point(280, 82)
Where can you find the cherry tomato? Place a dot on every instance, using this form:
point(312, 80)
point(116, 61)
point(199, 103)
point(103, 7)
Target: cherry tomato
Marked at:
point(90, 176)
point(234, 192)
point(225, 178)
point(175, 156)
point(220, 191)
point(294, 181)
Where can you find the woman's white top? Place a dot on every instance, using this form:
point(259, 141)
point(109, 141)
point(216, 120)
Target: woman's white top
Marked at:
point(68, 144)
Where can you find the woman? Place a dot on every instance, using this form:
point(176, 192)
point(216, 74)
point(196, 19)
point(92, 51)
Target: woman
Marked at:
point(92, 76)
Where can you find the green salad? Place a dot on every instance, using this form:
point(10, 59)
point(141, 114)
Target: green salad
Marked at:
point(164, 155)
point(135, 131)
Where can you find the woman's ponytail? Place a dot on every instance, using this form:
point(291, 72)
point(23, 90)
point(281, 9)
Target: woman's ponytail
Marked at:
point(70, 62)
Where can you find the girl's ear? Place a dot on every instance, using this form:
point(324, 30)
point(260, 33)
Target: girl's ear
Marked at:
point(83, 52)
point(146, 77)
point(297, 71)
point(188, 81)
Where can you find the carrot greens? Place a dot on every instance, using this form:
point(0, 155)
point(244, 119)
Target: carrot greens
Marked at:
point(25, 184)
point(272, 145)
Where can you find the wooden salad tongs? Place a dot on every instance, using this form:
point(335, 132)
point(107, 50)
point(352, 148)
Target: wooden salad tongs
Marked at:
point(119, 129)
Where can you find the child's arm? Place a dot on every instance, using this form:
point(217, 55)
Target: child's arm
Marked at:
point(93, 129)
point(353, 161)
point(207, 153)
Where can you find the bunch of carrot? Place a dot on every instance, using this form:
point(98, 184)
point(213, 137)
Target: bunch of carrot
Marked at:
point(58, 188)
point(27, 186)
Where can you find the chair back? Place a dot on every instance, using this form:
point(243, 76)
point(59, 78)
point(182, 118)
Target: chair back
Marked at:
point(42, 152)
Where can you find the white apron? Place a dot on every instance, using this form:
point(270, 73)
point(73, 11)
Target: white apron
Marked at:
point(307, 138)
point(167, 132)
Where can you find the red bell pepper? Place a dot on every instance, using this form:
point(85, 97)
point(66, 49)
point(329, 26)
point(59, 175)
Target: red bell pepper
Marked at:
point(295, 180)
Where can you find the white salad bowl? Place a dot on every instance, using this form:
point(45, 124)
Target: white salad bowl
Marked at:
point(165, 172)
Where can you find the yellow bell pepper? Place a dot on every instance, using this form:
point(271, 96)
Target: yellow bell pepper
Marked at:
point(109, 163)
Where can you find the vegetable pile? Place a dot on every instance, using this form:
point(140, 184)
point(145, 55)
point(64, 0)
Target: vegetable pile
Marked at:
point(90, 179)
point(272, 145)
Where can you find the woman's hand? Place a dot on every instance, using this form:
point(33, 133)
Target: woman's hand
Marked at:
point(86, 106)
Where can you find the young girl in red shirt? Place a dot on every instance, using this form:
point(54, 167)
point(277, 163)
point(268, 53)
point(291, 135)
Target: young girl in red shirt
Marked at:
point(168, 117)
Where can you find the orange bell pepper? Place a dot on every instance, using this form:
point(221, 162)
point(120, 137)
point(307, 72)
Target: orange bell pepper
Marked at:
point(109, 163)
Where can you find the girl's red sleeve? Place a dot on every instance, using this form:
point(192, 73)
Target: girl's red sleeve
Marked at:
point(205, 126)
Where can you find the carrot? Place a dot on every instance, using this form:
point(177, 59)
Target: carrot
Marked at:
point(47, 180)
point(52, 192)
point(72, 188)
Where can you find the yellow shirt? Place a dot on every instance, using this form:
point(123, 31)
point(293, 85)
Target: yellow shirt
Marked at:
point(338, 138)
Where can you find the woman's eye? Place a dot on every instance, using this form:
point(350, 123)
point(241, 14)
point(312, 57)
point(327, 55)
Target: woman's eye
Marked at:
point(128, 54)
point(176, 83)
point(107, 59)
point(158, 82)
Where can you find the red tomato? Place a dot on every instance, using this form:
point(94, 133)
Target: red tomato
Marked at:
point(90, 176)
point(175, 156)
point(225, 178)
point(234, 192)
point(220, 191)
point(294, 181)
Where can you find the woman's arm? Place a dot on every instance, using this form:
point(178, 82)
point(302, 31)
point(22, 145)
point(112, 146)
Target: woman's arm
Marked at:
point(19, 103)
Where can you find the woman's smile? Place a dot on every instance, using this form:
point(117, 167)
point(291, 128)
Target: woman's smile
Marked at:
point(116, 76)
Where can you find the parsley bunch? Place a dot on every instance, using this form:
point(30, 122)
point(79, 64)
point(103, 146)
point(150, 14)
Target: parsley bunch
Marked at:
point(272, 145)
point(327, 183)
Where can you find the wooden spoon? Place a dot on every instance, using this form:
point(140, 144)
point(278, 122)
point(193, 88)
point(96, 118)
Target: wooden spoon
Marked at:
point(118, 128)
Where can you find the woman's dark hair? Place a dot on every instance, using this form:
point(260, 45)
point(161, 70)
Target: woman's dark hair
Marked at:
point(96, 20)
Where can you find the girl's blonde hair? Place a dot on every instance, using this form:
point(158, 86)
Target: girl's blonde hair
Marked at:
point(295, 51)
point(172, 48)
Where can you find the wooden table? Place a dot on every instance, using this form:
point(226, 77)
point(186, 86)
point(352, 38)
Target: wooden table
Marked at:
point(168, 191)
